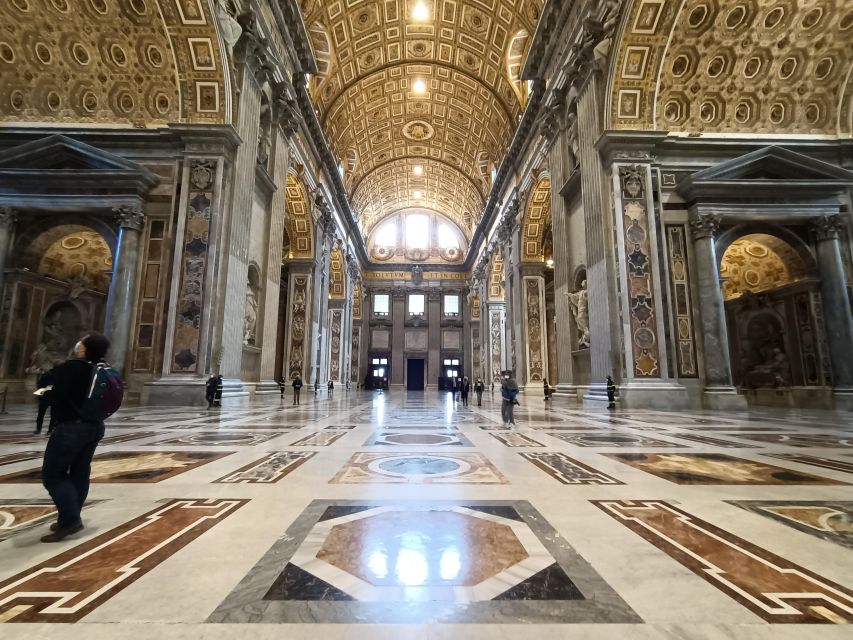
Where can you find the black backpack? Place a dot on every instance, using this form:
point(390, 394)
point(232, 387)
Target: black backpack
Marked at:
point(104, 394)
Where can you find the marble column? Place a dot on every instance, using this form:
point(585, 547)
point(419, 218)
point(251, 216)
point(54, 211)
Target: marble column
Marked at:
point(533, 344)
point(433, 370)
point(398, 336)
point(600, 269)
point(561, 165)
point(235, 249)
point(7, 224)
point(124, 286)
point(297, 342)
point(836, 307)
point(720, 392)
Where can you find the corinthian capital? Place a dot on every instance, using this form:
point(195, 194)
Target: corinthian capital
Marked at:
point(8, 217)
point(129, 218)
point(704, 226)
point(827, 227)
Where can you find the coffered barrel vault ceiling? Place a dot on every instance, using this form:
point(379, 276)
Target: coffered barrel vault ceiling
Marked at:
point(405, 146)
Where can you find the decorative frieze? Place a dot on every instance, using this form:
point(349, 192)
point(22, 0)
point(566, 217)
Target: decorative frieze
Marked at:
point(534, 327)
point(335, 327)
point(300, 292)
point(355, 353)
point(682, 309)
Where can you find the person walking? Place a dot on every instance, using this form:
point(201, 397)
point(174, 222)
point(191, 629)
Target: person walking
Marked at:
point(611, 393)
point(509, 391)
point(297, 387)
point(331, 388)
point(281, 387)
point(67, 462)
point(479, 387)
point(549, 390)
point(210, 390)
point(466, 389)
point(45, 384)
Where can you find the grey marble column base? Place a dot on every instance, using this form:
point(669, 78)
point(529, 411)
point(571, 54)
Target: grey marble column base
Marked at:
point(234, 393)
point(657, 394)
point(723, 399)
point(266, 388)
point(570, 394)
point(843, 398)
point(595, 396)
point(174, 391)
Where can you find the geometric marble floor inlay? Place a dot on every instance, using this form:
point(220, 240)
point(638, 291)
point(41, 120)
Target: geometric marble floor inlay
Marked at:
point(354, 562)
point(68, 586)
point(770, 586)
point(426, 468)
point(409, 510)
point(714, 468)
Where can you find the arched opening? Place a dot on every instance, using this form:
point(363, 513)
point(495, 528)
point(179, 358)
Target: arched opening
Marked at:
point(514, 61)
point(57, 286)
point(772, 298)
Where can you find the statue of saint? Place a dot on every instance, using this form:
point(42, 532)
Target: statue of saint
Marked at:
point(250, 320)
point(580, 312)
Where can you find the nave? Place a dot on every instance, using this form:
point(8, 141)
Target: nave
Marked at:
point(403, 515)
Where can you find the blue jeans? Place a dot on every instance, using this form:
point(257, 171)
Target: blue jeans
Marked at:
point(67, 466)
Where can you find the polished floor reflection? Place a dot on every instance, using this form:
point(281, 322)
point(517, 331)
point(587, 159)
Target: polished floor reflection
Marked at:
point(406, 509)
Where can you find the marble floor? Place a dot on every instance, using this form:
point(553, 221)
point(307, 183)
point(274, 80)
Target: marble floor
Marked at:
point(402, 516)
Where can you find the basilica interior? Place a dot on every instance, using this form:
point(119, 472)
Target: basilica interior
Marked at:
point(639, 210)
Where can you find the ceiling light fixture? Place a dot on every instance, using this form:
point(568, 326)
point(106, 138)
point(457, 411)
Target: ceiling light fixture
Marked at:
point(419, 86)
point(420, 11)
point(418, 170)
point(417, 195)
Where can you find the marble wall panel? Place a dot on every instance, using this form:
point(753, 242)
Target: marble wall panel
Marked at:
point(682, 308)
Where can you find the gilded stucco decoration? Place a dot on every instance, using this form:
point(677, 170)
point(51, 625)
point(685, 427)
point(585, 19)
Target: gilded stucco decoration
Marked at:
point(356, 301)
point(337, 283)
point(127, 62)
point(463, 116)
point(300, 226)
point(758, 262)
point(537, 218)
point(735, 66)
point(81, 257)
point(496, 278)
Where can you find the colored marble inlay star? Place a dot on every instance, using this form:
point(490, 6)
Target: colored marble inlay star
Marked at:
point(567, 470)
point(714, 468)
point(270, 468)
point(827, 520)
point(131, 466)
point(74, 583)
point(773, 588)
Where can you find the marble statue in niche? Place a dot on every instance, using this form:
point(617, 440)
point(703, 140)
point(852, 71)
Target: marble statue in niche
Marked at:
point(579, 305)
point(250, 318)
point(59, 333)
point(763, 356)
point(226, 14)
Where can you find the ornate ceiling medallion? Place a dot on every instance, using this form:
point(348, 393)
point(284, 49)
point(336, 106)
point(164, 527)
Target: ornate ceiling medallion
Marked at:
point(418, 130)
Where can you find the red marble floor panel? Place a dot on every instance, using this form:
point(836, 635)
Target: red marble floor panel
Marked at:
point(73, 584)
point(770, 586)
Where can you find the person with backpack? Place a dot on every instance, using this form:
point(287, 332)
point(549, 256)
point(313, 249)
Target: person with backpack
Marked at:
point(479, 387)
point(85, 392)
point(45, 384)
point(297, 387)
point(509, 391)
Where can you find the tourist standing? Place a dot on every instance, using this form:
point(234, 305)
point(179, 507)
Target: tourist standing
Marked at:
point(297, 387)
point(68, 456)
point(466, 389)
point(331, 388)
point(611, 393)
point(44, 382)
point(509, 391)
point(210, 390)
point(479, 387)
point(549, 390)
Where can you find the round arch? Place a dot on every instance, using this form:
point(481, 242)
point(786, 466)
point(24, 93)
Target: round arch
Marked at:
point(537, 215)
point(300, 226)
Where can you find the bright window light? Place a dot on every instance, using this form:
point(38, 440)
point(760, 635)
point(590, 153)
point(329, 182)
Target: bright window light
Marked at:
point(386, 234)
point(446, 237)
point(417, 231)
point(419, 86)
point(416, 304)
point(417, 195)
point(420, 11)
point(418, 170)
point(451, 305)
point(381, 304)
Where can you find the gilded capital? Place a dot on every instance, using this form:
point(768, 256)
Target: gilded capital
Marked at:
point(827, 227)
point(8, 217)
point(705, 226)
point(129, 218)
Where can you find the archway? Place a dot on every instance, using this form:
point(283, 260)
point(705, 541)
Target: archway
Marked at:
point(57, 287)
point(773, 313)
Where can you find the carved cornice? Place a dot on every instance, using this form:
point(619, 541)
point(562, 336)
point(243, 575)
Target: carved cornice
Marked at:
point(827, 227)
point(8, 217)
point(129, 218)
point(704, 226)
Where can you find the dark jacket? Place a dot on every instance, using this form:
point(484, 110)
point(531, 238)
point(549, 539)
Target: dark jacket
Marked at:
point(70, 386)
point(509, 389)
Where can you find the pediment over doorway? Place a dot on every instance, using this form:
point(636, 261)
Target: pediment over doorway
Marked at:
point(768, 172)
point(58, 164)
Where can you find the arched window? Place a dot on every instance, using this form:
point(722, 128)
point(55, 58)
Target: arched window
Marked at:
point(446, 237)
point(417, 231)
point(386, 234)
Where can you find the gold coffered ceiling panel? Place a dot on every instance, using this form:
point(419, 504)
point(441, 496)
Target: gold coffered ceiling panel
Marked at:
point(139, 62)
point(736, 66)
point(394, 187)
point(382, 127)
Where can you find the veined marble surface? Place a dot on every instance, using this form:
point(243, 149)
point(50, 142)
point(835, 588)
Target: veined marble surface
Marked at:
point(342, 516)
